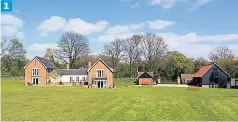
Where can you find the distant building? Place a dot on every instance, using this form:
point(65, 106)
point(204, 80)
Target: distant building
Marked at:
point(233, 58)
point(186, 78)
point(145, 78)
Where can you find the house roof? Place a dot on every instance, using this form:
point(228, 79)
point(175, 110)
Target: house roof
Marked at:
point(103, 63)
point(80, 71)
point(46, 62)
point(203, 70)
point(43, 61)
point(149, 73)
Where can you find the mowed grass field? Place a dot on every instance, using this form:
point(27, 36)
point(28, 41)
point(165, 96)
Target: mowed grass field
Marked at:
point(133, 103)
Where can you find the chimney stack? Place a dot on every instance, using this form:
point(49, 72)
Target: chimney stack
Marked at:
point(89, 65)
point(67, 66)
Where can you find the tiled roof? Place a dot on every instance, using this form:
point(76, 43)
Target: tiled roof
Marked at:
point(203, 70)
point(46, 62)
point(80, 71)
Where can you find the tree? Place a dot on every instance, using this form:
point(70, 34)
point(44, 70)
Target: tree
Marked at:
point(132, 51)
point(49, 52)
point(115, 51)
point(154, 49)
point(16, 49)
point(220, 52)
point(3, 47)
point(230, 66)
point(199, 62)
point(70, 47)
point(176, 64)
point(14, 58)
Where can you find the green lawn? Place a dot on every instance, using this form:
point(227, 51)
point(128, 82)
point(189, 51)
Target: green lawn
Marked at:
point(134, 103)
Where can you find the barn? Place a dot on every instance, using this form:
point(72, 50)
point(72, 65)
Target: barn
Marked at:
point(145, 78)
point(211, 75)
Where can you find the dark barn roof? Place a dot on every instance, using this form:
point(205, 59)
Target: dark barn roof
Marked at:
point(46, 62)
point(80, 71)
point(145, 75)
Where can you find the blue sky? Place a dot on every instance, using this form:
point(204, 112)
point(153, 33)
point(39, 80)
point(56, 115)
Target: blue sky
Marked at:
point(194, 27)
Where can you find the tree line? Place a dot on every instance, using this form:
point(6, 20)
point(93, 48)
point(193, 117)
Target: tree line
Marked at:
point(148, 52)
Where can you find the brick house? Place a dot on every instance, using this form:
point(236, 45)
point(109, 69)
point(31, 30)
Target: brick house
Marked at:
point(100, 75)
point(145, 78)
point(38, 71)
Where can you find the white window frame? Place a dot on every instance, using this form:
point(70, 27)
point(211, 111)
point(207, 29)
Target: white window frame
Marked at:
point(35, 72)
point(102, 73)
point(84, 79)
point(104, 83)
point(70, 79)
point(77, 79)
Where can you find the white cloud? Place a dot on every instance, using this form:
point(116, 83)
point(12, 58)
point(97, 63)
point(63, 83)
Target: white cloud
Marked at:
point(52, 24)
point(11, 26)
point(37, 47)
point(117, 29)
point(171, 3)
point(135, 5)
point(134, 27)
point(80, 26)
point(188, 45)
point(111, 37)
point(164, 3)
point(199, 3)
point(11, 20)
point(56, 23)
point(160, 24)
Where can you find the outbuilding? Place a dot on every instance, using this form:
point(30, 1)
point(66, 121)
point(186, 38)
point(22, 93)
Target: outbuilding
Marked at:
point(145, 78)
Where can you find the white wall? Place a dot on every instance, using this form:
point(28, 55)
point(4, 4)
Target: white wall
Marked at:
point(66, 78)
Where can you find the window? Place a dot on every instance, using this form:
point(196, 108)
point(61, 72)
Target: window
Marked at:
point(35, 61)
point(100, 73)
point(49, 70)
point(77, 79)
point(70, 79)
point(83, 78)
point(35, 72)
point(95, 83)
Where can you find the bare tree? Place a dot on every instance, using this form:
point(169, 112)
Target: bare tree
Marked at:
point(16, 49)
point(115, 51)
point(3, 47)
point(132, 51)
point(71, 46)
point(220, 52)
point(153, 50)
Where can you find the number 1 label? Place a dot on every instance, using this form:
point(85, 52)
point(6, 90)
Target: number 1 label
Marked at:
point(6, 5)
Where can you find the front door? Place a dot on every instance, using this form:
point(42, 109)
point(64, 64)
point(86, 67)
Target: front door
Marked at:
point(100, 84)
point(35, 81)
